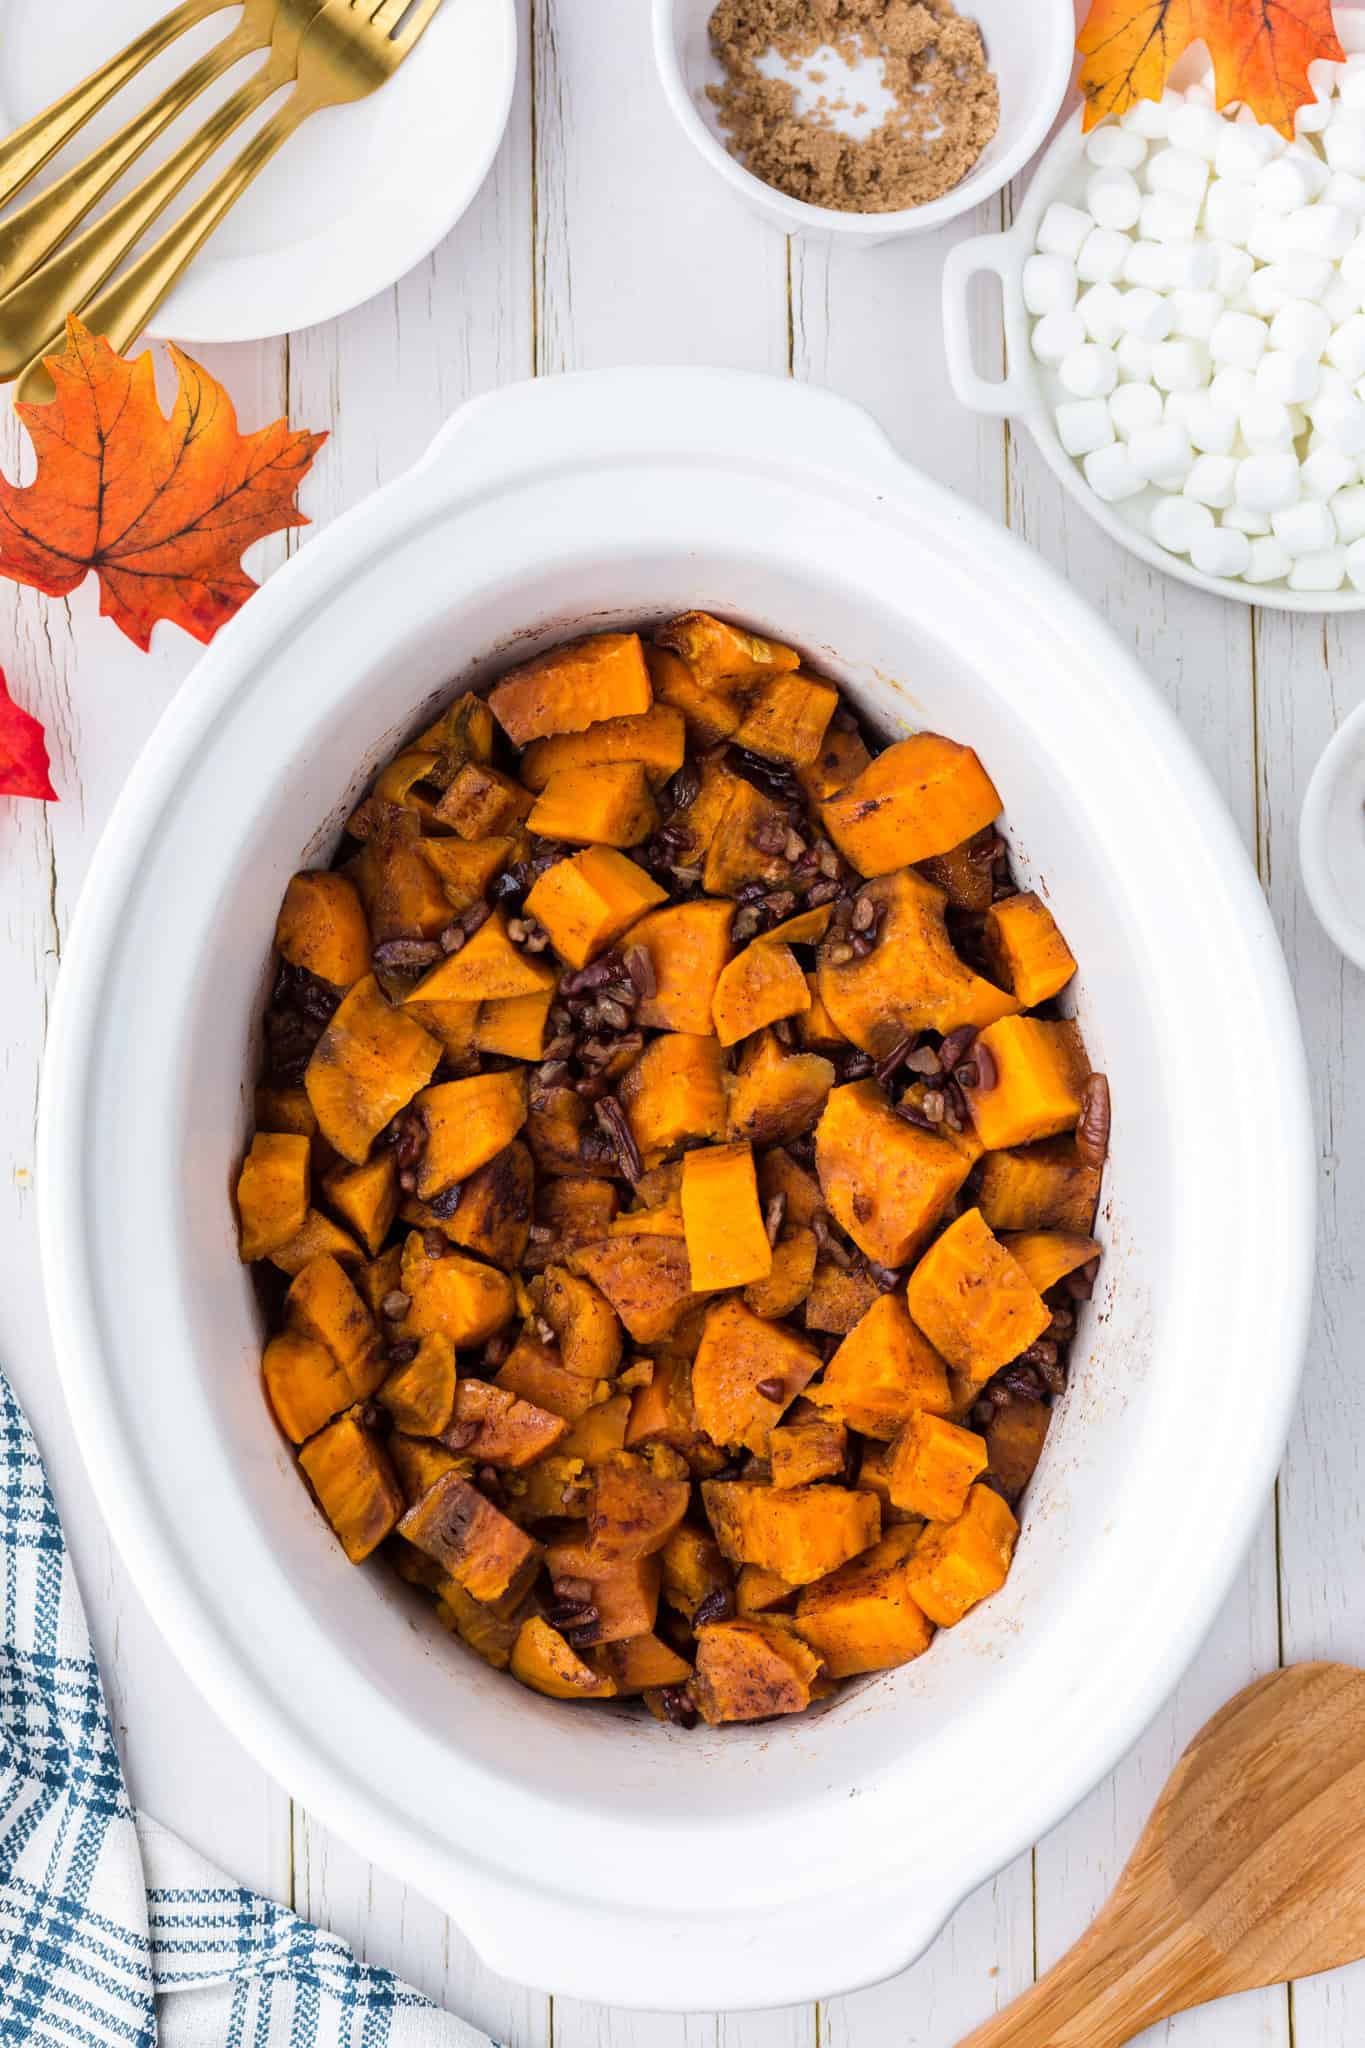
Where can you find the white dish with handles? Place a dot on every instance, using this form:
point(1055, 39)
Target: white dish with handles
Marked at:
point(591, 1850)
point(1028, 392)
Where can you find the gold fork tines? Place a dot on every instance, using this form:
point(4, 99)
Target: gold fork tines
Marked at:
point(351, 49)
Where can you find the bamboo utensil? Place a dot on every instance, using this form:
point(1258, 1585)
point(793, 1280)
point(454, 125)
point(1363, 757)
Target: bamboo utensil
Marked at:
point(1250, 1871)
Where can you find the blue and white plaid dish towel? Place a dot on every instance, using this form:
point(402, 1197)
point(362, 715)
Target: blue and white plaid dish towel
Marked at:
point(113, 1934)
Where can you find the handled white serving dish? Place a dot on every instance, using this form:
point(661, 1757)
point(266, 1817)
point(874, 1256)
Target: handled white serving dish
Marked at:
point(593, 1851)
point(1028, 392)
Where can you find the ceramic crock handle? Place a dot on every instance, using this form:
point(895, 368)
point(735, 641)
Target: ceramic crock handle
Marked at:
point(996, 255)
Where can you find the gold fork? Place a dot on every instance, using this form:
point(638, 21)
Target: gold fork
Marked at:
point(33, 311)
point(352, 48)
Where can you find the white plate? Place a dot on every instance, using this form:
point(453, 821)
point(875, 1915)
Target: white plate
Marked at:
point(1332, 838)
point(352, 201)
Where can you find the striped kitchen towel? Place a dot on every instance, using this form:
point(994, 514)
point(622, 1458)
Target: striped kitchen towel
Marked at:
point(113, 1934)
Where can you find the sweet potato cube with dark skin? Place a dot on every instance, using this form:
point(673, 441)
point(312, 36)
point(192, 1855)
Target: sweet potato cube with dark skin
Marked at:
point(398, 887)
point(839, 1297)
point(620, 1600)
point(916, 799)
point(934, 1463)
point(272, 1192)
point(746, 1372)
point(468, 1123)
point(956, 1564)
point(634, 1508)
point(304, 1384)
point(462, 1298)
point(646, 1279)
point(486, 968)
point(966, 874)
point(584, 1322)
point(535, 1372)
point(576, 1210)
point(788, 1280)
point(493, 1214)
point(420, 1396)
point(746, 844)
point(777, 1094)
point(610, 804)
point(572, 687)
point(1037, 1072)
point(469, 1538)
point(1039, 1187)
point(542, 1660)
point(674, 1094)
point(1014, 1443)
point(355, 1485)
point(800, 1532)
point(639, 1664)
point(751, 1670)
point(481, 803)
point(716, 651)
point(693, 1569)
point(285, 1109)
point(463, 732)
point(975, 1303)
point(1047, 1256)
point(368, 1064)
point(505, 1431)
point(727, 1244)
point(586, 902)
point(806, 1446)
point(419, 1462)
point(366, 1197)
point(863, 1617)
point(322, 1304)
point(321, 927)
point(886, 1181)
point(913, 979)
point(655, 740)
point(884, 1372)
point(786, 718)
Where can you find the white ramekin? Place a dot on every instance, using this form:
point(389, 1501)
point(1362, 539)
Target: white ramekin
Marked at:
point(1030, 48)
point(591, 1850)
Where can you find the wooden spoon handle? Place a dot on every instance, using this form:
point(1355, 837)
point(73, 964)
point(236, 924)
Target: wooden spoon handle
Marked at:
point(1099, 1995)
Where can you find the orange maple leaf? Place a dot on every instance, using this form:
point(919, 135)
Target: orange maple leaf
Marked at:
point(1261, 51)
point(160, 509)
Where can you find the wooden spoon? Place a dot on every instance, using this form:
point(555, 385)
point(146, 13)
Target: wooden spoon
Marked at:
point(1250, 1871)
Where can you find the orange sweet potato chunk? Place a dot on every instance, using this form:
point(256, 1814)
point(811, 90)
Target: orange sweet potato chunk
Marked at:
point(693, 1569)
point(482, 803)
point(745, 1373)
point(747, 842)
point(751, 1670)
point(918, 798)
point(400, 890)
point(514, 1025)
point(487, 967)
point(635, 1504)
point(571, 687)
point(419, 1463)
point(505, 1430)
point(883, 1373)
point(585, 903)
point(285, 1109)
point(874, 1476)
point(655, 739)
point(841, 758)
point(886, 1181)
point(367, 1197)
point(465, 867)
point(933, 1465)
point(472, 1540)
point(762, 1592)
point(420, 1396)
point(838, 1296)
point(646, 1279)
point(625, 1595)
point(688, 945)
point(319, 1235)
point(800, 1532)
point(1039, 1187)
point(1038, 1070)
point(368, 1064)
point(718, 652)
point(272, 1192)
point(759, 986)
point(304, 1384)
point(1014, 1443)
point(542, 1660)
point(1047, 1256)
point(493, 1214)
point(674, 1094)
point(807, 1445)
point(777, 1094)
point(600, 1432)
point(535, 1372)
point(711, 712)
point(727, 1245)
point(639, 1664)
point(788, 1280)
point(966, 873)
point(1024, 949)
point(956, 1564)
point(322, 1304)
point(355, 1485)
point(912, 980)
point(462, 1298)
point(863, 1616)
point(321, 927)
point(468, 1123)
point(779, 1174)
point(786, 717)
point(663, 1412)
point(584, 1322)
point(973, 1301)
point(606, 805)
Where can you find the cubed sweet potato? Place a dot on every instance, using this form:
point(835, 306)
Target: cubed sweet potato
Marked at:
point(420, 1396)
point(400, 890)
point(841, 758)
point(622, 1597)
point(600, 1432)
point(559, 1123)
point(747, 843)
point(465, 867)
point(918, 798)
point(933, 1465)
point(646, 1279)
point(758, 1591)
point(376, 1279)
point(745, 1373)
point(463, 732)
point(366, 1197)
point(354, 1483)
point(454, 1023)
point(815, 1028)
point(654, 738)
point(807, 1445)
point(957, 1563)
point(883, 1373)
point(912, 980)
point(693, 1569)
point(493, 1214)
point(786, 717)
point(489, 1633)
point(584, 1322)
point(639, 1664)
point(572, 687)
point(285, 1109)
point(1024, 949)
point(272, 1192)
point(751, 1670)
point(419, 1462)
point(486, 968)
point(966, 873)
point(839, 1296)
point(674, 1094)
point(469, 1538)
point(322, 1304)
point(711, 713)
point(534, 1371)
point(874, 1476)
point(777, 1094)
point(1037, 1072)
point(636, 1503)
point(368, 1064)
point(689, 946)
point(718, 652)
point(505, 1430)
point(863, 1616)
point(321, 927)
point(663, 1412)
point(514, 1025)
point(779, 1174)
point(462, 1298)
point(482, 803)
point(800, 1532)
point(304, 1384)
point(575, 1211)
point(1047, 1256)
point(607, 805)
point(586, 902)
point(788, 1280)
point(886, 1181)
point(1014, 1444)
point(759, 986)
point(974, 1302)
point(468, 1123)
point(1039, 1187)
point(318, 1236)
point(542, 1660)
point(727, 1245)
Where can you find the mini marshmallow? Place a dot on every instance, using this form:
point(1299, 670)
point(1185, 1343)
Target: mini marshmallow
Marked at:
point(1197, 130)
point(1238, 339)
point(1322, 230)
point(1234, 271)
point(1212, 428)
point(1150, 118)
point(1115, 148)
point(1089, 371)
point(1144, 313)
point(1302, 328)
point(1243, 151)
point(1304, 529)
point(1194, 313)
point(1291, 375)
point(1179, 172)
point(1162, 454)
point(1343, 142)
point(1340, 300)
point(1113, 200)
point(1325, 472)
point(1110, 474)
point(1355, 563)
point(1282, 186)
point(1351, 84)
point(1310, 163)
point(1179, 365)
point(1345, 191)
point(1102, 256)
point(1353, 262)
point(1300, 276)
point(1266, 423)
point(1348, 512)
point(1056, 335)
point(1243, 520)
point(1230, 210)
point(1333, 385)
point(1324, 75)
point(1267, 562)
point(1223, 552)
point(1063, 229)
point(1191, 266)
point(1133, 406)
point(1345, 349)
point(1177, 407)
point(1233, 389)
point(1212, 480)
point(1134, 357)
point(1312, 117)
point(1341, 422)
point(1101, 313)
point(1084, 425)
point(1048, 282)
point(1268, 237)
point(1176, 523)
point(1168, 218)
point(1146, 264)
point(1268, 482)
point(1319, 572)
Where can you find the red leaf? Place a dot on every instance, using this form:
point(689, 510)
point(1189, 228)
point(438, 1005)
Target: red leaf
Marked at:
point(1261, 50)
point(23, 751)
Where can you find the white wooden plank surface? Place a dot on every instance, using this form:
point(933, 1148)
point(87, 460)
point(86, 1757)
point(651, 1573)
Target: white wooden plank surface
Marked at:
point(599, 239)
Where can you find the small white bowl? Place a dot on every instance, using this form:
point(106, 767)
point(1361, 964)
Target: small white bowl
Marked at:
point(1332, 838)
point(1030, 49)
